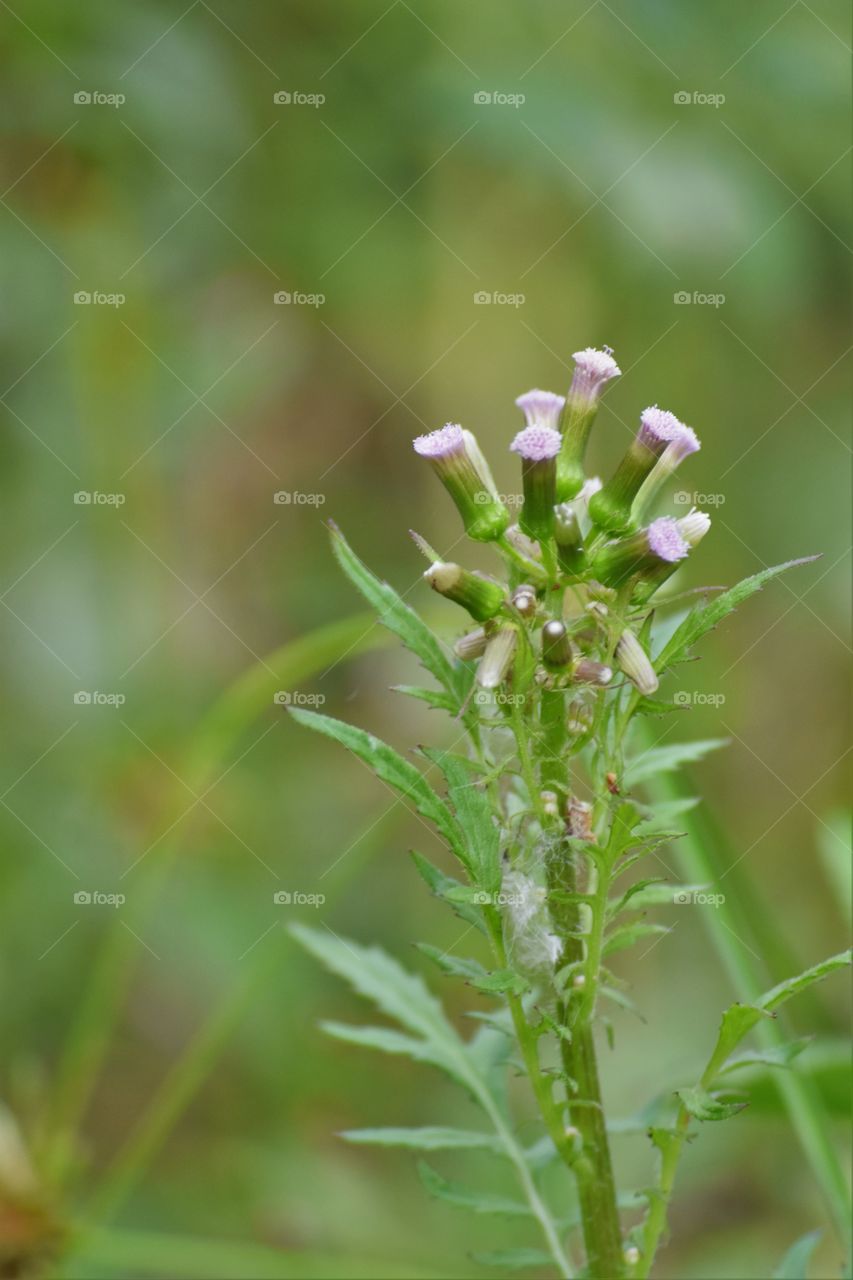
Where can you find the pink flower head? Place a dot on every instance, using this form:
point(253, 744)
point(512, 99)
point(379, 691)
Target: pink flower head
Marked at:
point(592, 370)
point(541, 408)
point(537, 444)
point(443, 443)
point(659, 427)
point(665, 540)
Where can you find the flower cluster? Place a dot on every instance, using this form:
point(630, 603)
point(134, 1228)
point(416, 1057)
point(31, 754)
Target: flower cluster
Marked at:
point(585, 560)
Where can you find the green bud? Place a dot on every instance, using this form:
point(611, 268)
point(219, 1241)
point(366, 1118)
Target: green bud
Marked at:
point(557, 652)
point(567, 535)
point(459, 464)
point(482, 597)
point(538, 447)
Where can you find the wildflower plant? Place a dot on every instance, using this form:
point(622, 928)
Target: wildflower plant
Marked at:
point(551, 688)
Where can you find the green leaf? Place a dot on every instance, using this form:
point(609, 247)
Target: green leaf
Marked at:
point(658, 760)
point(432, 697)
point(395, 614)
point(451, 891)
point(628, 934)
point(707, 616)
point(429, 1138)
point(466, 1198)
point(665, 816)
point(386, 1040)
point(833, 842)
point(795, 1264)
point(474, 816)
point(704, 1106)
point(496, 982)
point(393, 769)
point(793, 986)
point(514, 1259)
point(736, 1021)
point(781, 1055)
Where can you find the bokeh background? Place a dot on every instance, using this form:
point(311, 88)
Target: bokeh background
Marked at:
point(582, 200)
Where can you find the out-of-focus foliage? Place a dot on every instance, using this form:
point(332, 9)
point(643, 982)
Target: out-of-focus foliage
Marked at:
point(599, 199)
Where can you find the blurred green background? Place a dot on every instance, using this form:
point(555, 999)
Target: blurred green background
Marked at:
point(381, 212)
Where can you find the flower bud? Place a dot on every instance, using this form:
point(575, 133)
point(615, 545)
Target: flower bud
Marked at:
point(557, 651)
point(685, 443)
point(482, 597)
point(632, 658)
point(538, 447)
point(567, 535)
point(694, 526)
point(593, 369)
point(589, 672)
point(524, 600)
point(640, 553)
point(472, 645)
point(497, 660)
point(459, 464)
point(610, 509)
point(542, 408)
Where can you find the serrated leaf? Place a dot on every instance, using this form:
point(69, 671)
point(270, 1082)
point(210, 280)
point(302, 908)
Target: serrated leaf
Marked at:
point(393, 769)
point(386, 1040)
point(628, 934)
point(514, 1259)
point(496, 982)
point(466, 1198)
point(707, 616)
point(793, 986)
point(432, 697)
point(428, 1138)
point(474, 816)
point(795, 1264)
point(736, 1021)
point(395, 614)
point(781, 1055)
point(451, 891)
point(704, 1106)
point(657, 760)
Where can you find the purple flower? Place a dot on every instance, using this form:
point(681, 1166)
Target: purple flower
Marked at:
point(537, 443)
point(592, 369)
point(456, 458)
point(541, 408)
point(665, 540)
point(443, 443)
point(659, 427)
